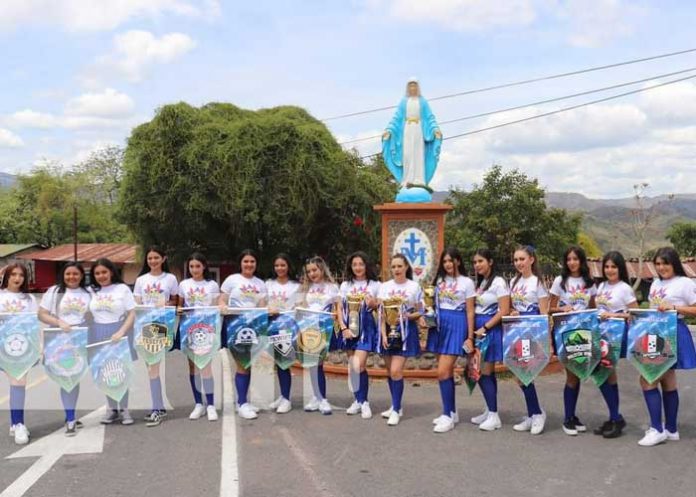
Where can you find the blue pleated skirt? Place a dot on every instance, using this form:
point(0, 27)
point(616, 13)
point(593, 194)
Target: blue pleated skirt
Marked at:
point(369, 335)
point(686, 354)
point(449, 337)
point(99, 332)
point(412, 343)
point(495, 339)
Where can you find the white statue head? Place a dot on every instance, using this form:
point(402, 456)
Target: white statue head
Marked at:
point(412, 88)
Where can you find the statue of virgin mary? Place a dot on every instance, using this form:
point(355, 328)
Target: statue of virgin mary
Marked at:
point(411, 145)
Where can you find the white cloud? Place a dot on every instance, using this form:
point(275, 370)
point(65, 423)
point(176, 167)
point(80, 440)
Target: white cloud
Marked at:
point(98, 15)
point(28, 118)
point(106, 104)
point(671, 105)
point(9, 140)
point(594, 23)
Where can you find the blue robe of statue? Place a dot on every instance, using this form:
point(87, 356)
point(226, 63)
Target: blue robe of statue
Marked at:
point(392, 147)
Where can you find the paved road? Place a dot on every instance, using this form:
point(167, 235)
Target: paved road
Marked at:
point(300, 454)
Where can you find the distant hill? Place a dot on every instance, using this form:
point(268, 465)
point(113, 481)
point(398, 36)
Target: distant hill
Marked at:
point(7, 180)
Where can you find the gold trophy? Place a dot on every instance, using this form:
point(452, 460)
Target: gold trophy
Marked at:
point(354, 303)
point(394, 315)
point(429, 297)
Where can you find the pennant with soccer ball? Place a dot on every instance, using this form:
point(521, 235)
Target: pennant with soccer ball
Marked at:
point(578, 338)
point(612, 332)
point(65, 356)
point(652, 342)
point(199, 330)
point(154, 332)
point(20, 342)
point(472, 370)
point(313, 337)
point(526, 347)
point(112, 368)
point(247, 331)
point(282, 335)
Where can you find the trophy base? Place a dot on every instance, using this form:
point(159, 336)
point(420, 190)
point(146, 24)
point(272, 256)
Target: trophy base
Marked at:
point(413, 195)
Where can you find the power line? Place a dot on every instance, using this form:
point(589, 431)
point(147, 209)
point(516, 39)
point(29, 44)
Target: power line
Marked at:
point(557, 111)
point(540, 102)
point(522, 82)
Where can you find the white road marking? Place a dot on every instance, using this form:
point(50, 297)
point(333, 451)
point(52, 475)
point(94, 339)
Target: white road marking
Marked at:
point(229, 469)
point(49, 449)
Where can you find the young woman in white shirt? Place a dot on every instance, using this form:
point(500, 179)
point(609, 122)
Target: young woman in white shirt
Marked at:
point(282, 293)
point(360, 283)
point(672, 291)
point(15, 298)
point(492, 303)
point(64, 306)
point(113, 313)
point(243, 289)
point(573, 290)
point(199, 290)
point(156, 287)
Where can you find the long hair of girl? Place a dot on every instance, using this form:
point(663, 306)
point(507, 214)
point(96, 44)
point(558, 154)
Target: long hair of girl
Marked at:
point(409, 269)
point(197, 256)
point(115, 273)
point(536, 269)
point(488, 255)
point(456, 256)
point(369, 269)
point(8, 271)
point(154, 248)
point(671, 257)
point(618, 259)
point(251, 253)
point(584, 267)
point(323, 267)
point(284, 257)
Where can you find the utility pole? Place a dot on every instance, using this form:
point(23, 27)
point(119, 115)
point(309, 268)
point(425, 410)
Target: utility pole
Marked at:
point(75, 232)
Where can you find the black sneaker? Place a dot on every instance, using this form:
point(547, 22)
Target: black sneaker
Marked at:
point(569, 427)
point(110, 417)
point(606, 426)
point(578, 425)
point(156, 419)
point(79, 425)
point(70, 429)
point(616, 429)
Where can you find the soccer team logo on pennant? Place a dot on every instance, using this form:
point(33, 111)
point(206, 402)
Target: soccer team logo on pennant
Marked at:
point(247, 331)
point(578, 341)
point(65, 356)
point(526, 348)
point(612, 332)
point(112, 368)
point(199, 330)
point(652, 342)
point(313, 336)
point(282, 335)
point(20, 342)
point(154, 331)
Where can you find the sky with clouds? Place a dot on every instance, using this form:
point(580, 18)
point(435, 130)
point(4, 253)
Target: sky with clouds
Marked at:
point(79, 74)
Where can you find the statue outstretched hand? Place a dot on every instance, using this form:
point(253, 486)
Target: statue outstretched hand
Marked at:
point(438, 134)
point(386, 135)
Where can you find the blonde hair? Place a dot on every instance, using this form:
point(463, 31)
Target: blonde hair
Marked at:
point(323, 267)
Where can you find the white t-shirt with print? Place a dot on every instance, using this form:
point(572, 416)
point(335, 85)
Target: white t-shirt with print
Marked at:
point(614, 298)
point(487, 300)
point(360, 289)
point(678, 290)
point(409, 292)
point(70, 307)
point(243, 292)
point(321, 296)
point(110, 304)
point(155, 290)
point(576, 293)
point(282, 296)
point(526, 294)
point(203, 293)
point(13, 302)
point(452, 293)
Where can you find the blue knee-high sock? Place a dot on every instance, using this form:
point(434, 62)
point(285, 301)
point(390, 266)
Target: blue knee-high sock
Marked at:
point(653, 400)
point(70, 402)
point(17, 398)
point(364, 386)
point(209, 387)
point(531, 399)
point(241, 383)
point(447, 394)
point(156, 394)
point(397, 394)
point(489, 387)
point(285, 382)
point(570, 400)
point(670, 400)
point(321, 381)
point(195, 381)
point(611, 397)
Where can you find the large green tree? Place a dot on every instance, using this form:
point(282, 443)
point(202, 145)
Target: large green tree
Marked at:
point(220, 179)
point(505, 210)
point(683, 236)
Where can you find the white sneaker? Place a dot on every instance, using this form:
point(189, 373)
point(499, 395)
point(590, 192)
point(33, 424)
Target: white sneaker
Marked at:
point(354, 408)
point(524, 425)
point(439, 419)
point(491, 423)
point(653, 437)
point(211, 413)
point(672, 437)
point(477, 420)
point(198, 411)
point(312, 405)
point(445, 424)
point(285, 406)
point(387, 413)
point(21, 434)
point(324, 407)
point(365, 411)
point(276, 403)
point(538, 423)
point(454, 415)
point(254, 408)
point(245, 411)
point(394, 418)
